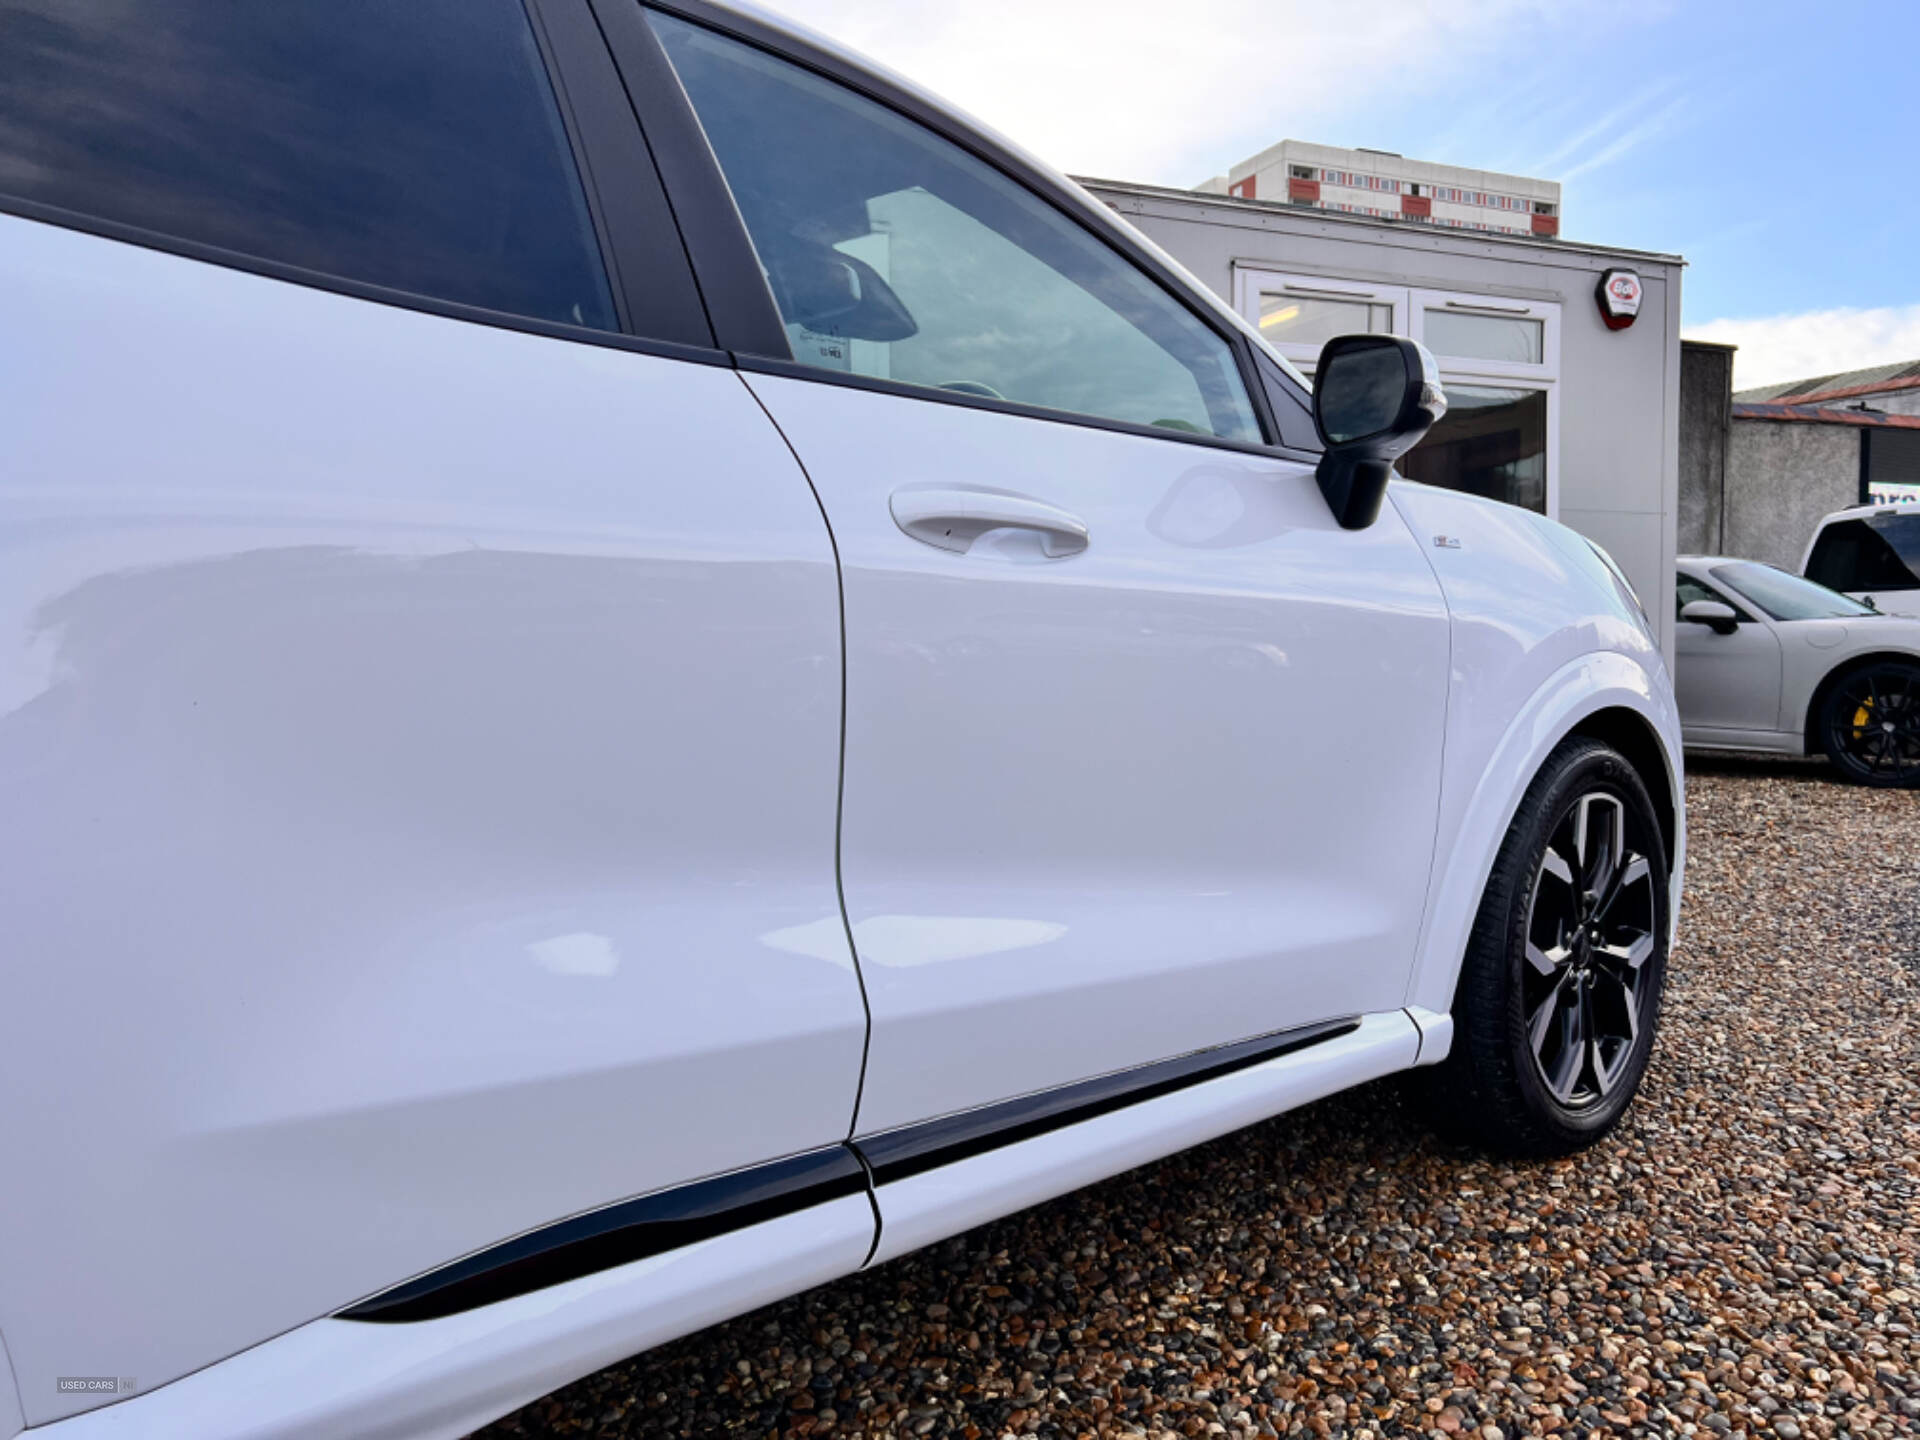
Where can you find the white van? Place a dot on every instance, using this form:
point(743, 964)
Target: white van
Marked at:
point(1871, 552)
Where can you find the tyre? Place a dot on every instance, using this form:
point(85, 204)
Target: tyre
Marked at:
point(1559, 994)
point(1869, 724)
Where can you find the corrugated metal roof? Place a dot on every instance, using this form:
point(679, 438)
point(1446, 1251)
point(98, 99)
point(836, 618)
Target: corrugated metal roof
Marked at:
point(1823, 415)
point(1901, 375)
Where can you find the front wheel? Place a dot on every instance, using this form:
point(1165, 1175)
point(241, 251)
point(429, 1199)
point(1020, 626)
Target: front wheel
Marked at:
point(1870, 724)
point(1559, 993)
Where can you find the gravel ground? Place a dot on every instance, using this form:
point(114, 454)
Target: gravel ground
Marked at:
point(1740, 1259)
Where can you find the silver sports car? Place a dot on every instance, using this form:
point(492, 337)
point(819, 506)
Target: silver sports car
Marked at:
point(1770, 661)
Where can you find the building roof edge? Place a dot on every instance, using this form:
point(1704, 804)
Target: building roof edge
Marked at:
point(1278, 207)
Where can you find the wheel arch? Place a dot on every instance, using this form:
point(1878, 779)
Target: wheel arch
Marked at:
point(1607, 695)
point(1809, 736)
point(1629, 732)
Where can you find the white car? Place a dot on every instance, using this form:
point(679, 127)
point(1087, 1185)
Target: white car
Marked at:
point(1771, 661)
point(1871, 552)
point(641, 669)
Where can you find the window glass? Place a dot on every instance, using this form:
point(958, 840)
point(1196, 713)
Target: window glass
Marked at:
point(1465, 335)
point(1881, 552)
point(1291, 405)
point(894, 254)
point(1490, 442)
point(412, 145)
point(1287, 319)
point(1784, 596)
point(1686, 590)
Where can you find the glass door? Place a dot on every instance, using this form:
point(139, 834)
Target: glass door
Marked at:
point(1499, 360)
point(1500, 363)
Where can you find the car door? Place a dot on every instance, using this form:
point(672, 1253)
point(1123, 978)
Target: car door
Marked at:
point(1725, 681)
point(420, 702)
point(1142, 750)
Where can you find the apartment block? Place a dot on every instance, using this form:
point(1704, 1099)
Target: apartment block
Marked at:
point(1389, 186)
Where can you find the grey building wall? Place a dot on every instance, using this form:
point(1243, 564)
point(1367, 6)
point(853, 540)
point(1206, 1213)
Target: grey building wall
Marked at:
point(1619, 412)
point(1706, 411)
point(1782, 476)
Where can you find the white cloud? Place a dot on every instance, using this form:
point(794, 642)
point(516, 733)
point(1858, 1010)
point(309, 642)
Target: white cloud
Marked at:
point(1139, 91)
point(1777, 348)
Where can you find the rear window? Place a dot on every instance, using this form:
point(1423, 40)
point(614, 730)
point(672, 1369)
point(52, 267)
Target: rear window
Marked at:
point(412, 144)
point(1875, 552)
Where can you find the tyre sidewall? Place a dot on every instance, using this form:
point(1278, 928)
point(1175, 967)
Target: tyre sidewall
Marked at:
point(1829, 720)
point(1580, 770)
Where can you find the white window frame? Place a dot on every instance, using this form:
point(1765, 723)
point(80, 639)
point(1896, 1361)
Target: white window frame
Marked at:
point(1501, 374)
point(1248, 283)
point(1410, 305)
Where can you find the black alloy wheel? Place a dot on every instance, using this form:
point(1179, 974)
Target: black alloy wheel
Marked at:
point(1590, 933)
point(1559, 994)
point(1870, 724)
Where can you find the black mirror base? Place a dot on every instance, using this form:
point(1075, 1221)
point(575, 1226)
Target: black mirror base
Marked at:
point(1354, 487)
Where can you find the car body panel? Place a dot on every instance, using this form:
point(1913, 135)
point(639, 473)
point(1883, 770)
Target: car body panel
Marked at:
point(1725, 709)
point(1109, 808)
point(12, 1419)
point(1526, 673)
point(425, 823)
point(924, 1208)
point(1728, 682)
point(428, 737)
point(442, 1379)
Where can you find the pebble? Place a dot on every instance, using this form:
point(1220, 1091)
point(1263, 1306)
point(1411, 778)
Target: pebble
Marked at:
point(1741, 1258)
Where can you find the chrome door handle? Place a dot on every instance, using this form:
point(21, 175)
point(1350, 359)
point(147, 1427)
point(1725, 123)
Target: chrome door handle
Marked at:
point(953, 518)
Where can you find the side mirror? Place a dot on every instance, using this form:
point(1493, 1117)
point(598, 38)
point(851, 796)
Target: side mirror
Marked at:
point(1722, 618)
point(1374, 396)
point(836, 294)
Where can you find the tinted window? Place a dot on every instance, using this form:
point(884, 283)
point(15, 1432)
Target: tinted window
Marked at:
point(1291, 406)
point(894, 254)
point(1784, 596)
point(1492, 441)
point(414, 145)
point(1881, 552)
point(1686, 590)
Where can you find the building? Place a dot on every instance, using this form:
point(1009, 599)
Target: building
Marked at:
point(1790, 453)
point(1550, 406)
point(1385, 186)
point(1891, 389)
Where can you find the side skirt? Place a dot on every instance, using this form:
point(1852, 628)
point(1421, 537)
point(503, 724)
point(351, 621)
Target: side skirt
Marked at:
point(443, 1377)
point(650, 1225)
point(911, 1149)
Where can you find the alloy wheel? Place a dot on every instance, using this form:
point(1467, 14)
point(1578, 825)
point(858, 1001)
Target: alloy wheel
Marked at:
point(1873, 724)
point(1590, 933)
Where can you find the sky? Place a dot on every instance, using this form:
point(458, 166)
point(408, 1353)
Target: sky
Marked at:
point(1774, 146)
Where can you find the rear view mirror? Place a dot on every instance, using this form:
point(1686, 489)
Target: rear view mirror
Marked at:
point(1722, 617)
point(1374, 397)
point(835, 294)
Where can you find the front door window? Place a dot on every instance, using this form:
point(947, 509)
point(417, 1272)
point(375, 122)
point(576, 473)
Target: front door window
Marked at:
point(895, 255)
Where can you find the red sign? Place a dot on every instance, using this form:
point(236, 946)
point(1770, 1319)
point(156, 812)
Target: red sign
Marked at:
point(1619, 295)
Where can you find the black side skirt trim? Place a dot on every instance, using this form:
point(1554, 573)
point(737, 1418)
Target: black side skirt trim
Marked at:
point(635, 1229)
point(619, 1234)
point(896, 1154)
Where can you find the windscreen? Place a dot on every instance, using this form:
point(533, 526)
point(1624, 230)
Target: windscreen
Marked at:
point(1784, 596)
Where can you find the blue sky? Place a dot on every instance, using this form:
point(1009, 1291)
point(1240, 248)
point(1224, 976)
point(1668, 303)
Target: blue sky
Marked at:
point(1772, 145)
